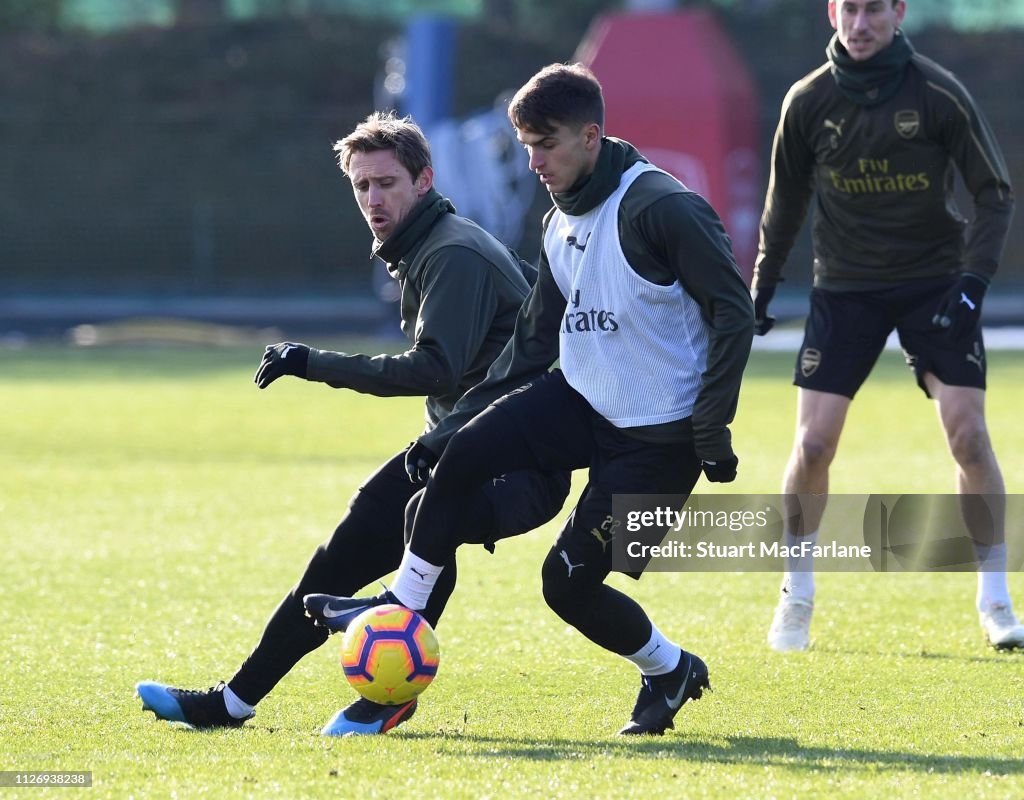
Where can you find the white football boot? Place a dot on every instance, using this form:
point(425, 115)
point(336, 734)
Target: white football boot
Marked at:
point(791, 626)
point(1001, 627)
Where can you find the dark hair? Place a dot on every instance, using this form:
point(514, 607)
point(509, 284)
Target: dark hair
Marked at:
point(381, 131)
point(560, 94)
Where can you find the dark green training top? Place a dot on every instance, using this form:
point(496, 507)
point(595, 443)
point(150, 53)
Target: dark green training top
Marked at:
point(882, 177)
point(461, 291)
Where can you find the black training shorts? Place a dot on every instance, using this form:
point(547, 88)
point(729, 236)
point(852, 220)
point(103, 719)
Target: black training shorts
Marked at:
point(846, 332)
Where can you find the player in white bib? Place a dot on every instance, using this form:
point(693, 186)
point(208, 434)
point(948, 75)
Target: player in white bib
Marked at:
point(640, 300)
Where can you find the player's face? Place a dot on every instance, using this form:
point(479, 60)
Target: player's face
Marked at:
point(564, 156)
point(865, 26)
point(384, 189)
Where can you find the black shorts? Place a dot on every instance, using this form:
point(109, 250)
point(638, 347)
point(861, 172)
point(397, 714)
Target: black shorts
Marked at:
point(506, 506)
point(554, 420)
point(519, 502)
point(622, 465)
point(562, 430)
point(846, 332)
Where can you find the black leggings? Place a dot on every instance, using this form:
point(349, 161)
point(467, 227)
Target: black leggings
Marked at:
point(369, 543)
point(548, 425)
point(466, 465)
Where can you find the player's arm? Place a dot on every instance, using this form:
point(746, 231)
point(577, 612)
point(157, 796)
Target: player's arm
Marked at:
point(974, 150)
point(457, 307)
point(530, 352)
point(683, 231)
point(790, 186)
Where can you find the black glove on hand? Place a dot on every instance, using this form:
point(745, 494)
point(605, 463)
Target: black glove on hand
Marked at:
point(714, 449)
point(721, 471)
point(286, 358)
point(960, 308)
point(762, 322)
point(419, 461)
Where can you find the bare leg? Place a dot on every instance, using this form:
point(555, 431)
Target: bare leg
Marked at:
point(979, 481)
point(982, 502)
point(820, 420)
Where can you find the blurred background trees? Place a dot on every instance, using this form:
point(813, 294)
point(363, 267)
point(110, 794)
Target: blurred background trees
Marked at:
point(183, 147)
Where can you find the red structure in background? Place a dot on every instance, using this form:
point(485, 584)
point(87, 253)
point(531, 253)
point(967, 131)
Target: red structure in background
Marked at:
point(675, 86)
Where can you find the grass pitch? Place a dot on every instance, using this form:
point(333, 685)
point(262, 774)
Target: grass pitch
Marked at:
point(155, 506)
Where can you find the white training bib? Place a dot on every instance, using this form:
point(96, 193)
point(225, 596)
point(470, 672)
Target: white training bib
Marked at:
point(635, 350)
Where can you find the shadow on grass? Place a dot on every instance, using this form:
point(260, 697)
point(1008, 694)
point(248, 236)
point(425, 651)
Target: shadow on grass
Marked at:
point(760, 750)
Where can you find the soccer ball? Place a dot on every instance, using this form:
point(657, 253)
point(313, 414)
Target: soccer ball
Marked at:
point(389, 654)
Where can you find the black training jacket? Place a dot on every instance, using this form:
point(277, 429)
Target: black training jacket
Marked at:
point(882, 181)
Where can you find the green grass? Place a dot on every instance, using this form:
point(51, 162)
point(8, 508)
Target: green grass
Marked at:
point(154, 506)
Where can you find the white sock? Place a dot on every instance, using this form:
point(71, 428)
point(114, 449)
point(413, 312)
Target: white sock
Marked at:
point(235, 705)
point(798, 578)
point(658, 656)
point(992, 586)
point(414, 581)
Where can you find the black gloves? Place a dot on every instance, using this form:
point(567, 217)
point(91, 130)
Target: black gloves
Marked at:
point(721, 471)
point(419, 461)
point(960, 308)
point(762, 322)
point(286, 358)
point(714, 449)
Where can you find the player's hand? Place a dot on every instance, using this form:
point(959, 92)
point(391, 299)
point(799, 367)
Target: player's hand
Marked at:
point(960, 308)
point(762, 321)
point(285, 358)
point(717, 460)
point(419, 461)
point(722, 470)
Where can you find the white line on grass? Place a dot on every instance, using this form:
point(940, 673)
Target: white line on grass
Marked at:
point(1010, 338)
